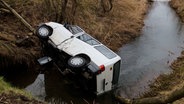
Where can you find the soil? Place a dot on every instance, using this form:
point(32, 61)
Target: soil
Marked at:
point(13, 98)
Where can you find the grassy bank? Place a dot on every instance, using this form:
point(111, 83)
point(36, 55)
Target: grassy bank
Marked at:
point(121, 25)
point(11, 95)
point(165, 83)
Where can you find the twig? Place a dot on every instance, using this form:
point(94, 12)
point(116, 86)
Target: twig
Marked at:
point(5, 10)
point(71, 102)
point(3, 102)
point(86, 101)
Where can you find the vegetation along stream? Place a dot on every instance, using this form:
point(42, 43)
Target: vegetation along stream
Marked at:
point(142, 61)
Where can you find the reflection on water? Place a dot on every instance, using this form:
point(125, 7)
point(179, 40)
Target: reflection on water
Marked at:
point(142, 61)
point(151, 54)
point(38, 84)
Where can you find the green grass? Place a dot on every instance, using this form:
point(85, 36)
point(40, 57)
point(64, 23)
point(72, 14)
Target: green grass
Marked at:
point(6, 88)
point(12, 95)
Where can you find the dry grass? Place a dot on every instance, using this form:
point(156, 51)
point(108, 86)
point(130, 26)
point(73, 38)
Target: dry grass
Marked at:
point(118, 27)
point(178, 5)
point(179, 101)
point(12, 95)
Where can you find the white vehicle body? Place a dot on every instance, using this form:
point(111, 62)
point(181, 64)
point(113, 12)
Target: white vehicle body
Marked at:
point(75, 41)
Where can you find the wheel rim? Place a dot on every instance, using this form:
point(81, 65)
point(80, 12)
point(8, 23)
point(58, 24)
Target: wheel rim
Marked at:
point(77, 61)
point(43, 31)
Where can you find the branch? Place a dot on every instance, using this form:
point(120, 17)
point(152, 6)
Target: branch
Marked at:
point(63, 10)
point(106, 5)
point(110, 6)
point(18, 16)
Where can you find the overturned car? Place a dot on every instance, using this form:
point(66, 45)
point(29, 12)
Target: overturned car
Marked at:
point(96, 65)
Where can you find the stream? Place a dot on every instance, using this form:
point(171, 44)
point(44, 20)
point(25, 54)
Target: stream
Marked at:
point(143, 60)
point(150, 55)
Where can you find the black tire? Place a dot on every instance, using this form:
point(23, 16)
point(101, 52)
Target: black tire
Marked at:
point(44, 31)
point(76, 62)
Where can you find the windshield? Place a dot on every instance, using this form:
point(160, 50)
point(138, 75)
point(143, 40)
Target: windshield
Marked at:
point(74, 29)
point(88, 39)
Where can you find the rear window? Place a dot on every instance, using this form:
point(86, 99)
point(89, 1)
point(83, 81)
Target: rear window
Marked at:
point(105, 51)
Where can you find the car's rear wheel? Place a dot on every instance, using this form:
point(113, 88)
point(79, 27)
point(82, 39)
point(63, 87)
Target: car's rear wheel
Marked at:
point(76, 62)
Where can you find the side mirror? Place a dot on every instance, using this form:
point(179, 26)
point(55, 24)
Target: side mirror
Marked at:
point(44, 60)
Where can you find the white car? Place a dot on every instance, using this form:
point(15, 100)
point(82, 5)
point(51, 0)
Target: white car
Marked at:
point(83, 56)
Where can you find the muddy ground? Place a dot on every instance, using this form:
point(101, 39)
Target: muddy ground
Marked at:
point(14, 98)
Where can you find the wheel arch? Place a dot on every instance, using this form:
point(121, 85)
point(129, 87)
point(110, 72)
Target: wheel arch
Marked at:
point(88, 59)
point(48, 27)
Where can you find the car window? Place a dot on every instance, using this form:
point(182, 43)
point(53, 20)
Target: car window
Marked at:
point(105, 51)
point(88, 39)
point(75, 29)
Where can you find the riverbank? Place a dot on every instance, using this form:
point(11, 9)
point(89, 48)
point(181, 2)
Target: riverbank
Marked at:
point(19, 48)
point(178, 5)
point(168, 83)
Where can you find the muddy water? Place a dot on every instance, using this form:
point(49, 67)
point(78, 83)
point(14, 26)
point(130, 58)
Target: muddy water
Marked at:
point(142, 60)
point(150, 55)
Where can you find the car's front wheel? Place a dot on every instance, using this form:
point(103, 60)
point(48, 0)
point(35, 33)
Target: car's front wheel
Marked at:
point(44, 31)
point(76, 62)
